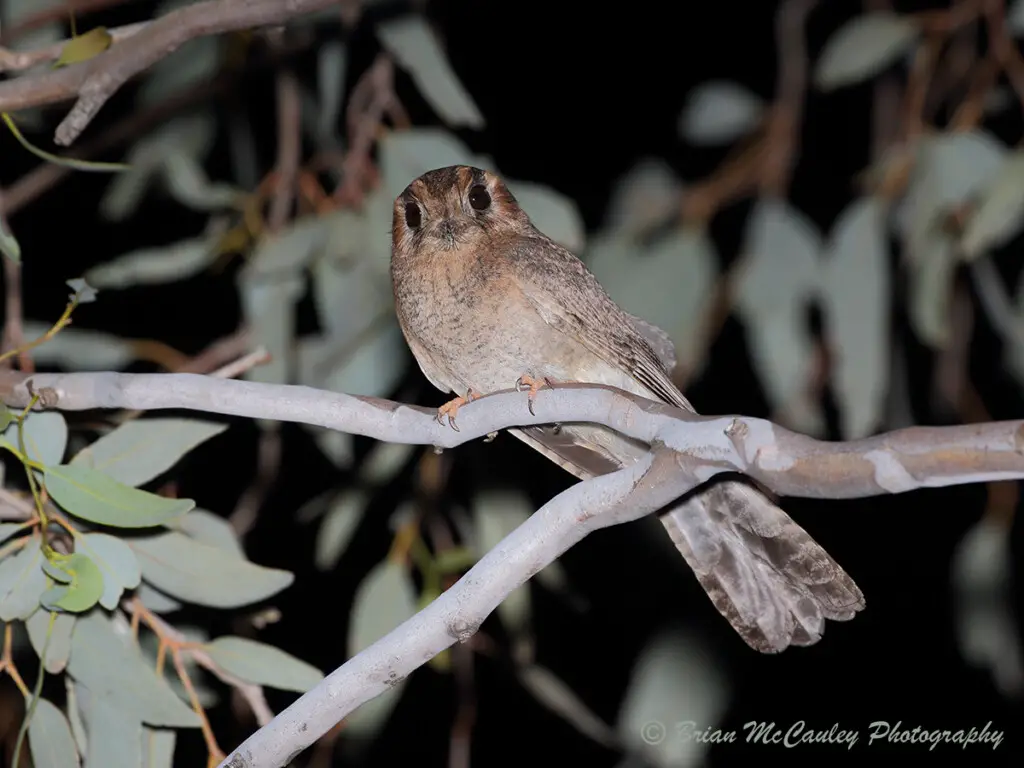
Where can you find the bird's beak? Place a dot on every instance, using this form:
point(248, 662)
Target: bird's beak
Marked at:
point(450, 230)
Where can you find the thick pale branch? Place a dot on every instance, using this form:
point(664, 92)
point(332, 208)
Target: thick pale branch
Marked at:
point(94, 81)
point(788, 463)
point(456, 615)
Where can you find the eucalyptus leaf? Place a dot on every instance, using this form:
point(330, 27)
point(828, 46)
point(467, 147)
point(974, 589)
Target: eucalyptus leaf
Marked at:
point(262, 664)
point(59, 648)
point(374, 368)
point(80, 350)
point(268, 304)
point(9, 529)
point(383, 600)
point(554, 694)
point(415, 46)
point(863, 47)
point(49, 736)
point(719, 112)
point(647, 196)
point(93, 496)
point(80, 591)
point(141, 449)
point(331, 66)
point(405, 155)
point(158, 747)
point(999, 215)
point(210, 529)
point(655, 697)
point(855, 292)
point(338, 526)
point(22, 581)
point(115, 733)
point(84, 47)
point(46, 436)
point(200, 573)
point(116, 560)
point(551, 212)
point(187, 183)
point(155, 600)
point(114, 671)
point(931, 290)
point(155, 266)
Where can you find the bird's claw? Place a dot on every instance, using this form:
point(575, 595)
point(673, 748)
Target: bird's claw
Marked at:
point(451, 408)
point(526, 380)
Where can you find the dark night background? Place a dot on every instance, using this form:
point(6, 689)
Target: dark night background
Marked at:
point(573, 96)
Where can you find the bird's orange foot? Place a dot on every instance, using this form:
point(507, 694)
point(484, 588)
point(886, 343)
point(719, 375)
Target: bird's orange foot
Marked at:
point(451, 408)
point(527, 381)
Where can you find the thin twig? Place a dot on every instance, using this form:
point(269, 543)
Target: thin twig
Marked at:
point(94, 81)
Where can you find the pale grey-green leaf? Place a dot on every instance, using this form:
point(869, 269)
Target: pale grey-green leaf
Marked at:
point(668, 283)
point(115, 733)
point(384, 461)
point(863, 47)
point(383, 600)
point(719, 112)
point(158, 747)
point(554, 694)
point(782, 251)
point(855, 291)
point(186, 181)
point(155, 600)
point(262, 664)
point(49, 737)
point(79, 349)
point(551, 212)
point(268, 304)
point(116, 561)
point(332, 66)
point(9, 529)
point(141, 449)
point(405, 155)
point(654, 696)
point(375, 367)
point(645, 197)
point(200, 573)
point(195, 62)
point(22, 581)
point(999, 214)
point(113, 670)
point(46, 436)
point(155, 266)
point(415, 46)
point(59, 648)
point(210, 529)
point(340, 522)
point(931, 290)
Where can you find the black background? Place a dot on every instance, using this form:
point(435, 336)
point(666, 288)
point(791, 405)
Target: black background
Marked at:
point(574, 95)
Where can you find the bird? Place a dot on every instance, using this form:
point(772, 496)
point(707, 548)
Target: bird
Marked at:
point(485, 300)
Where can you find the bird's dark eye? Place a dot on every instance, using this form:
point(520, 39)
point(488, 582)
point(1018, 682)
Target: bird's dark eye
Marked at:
point(479, 198)
point(412, 215)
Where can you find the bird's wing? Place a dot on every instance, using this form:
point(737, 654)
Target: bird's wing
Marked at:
point(568, 298)
point(763, 572)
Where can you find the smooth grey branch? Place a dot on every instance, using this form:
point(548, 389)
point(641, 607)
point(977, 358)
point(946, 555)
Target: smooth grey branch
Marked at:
point(789, 463)
point(455, 616)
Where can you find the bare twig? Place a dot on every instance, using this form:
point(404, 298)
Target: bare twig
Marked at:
point(15, 60)
point(289, 149)
point(94, 81)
